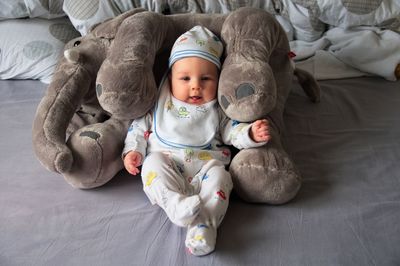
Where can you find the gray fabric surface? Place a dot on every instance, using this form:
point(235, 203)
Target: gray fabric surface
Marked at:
point(347, 212)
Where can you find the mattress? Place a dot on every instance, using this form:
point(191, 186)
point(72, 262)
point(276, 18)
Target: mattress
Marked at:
point(346, 213)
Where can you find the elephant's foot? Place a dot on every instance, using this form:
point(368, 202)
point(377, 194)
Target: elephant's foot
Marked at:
point(96, 151)
point(265, 175)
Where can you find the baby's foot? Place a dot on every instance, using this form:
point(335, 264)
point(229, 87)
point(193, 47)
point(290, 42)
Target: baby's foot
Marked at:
point(200, 239)
point(183, 210)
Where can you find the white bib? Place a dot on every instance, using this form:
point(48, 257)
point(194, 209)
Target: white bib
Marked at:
point(182, 125)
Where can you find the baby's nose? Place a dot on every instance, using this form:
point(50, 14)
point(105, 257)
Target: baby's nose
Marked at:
point(196, 85)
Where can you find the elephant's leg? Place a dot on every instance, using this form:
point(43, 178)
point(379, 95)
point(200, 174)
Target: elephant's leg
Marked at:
point(247, 82)
point(125, 82)
point(96, 151)
point(265, 174)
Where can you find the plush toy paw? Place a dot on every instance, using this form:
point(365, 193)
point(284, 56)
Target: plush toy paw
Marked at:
point(265, 175)
point(127, 103)
point(94, 147)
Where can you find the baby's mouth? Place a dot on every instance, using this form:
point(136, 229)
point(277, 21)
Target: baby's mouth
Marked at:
point(195, 98)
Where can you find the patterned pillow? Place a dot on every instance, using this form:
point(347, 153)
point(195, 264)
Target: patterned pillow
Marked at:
point(350, 13)
point(219, 6)
point(306, 24)
point(30, 48)
point(85, 14)
point(31, 8)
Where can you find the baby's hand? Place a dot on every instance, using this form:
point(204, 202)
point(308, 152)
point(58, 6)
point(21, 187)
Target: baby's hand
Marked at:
point(260, 131)
point(132, 160)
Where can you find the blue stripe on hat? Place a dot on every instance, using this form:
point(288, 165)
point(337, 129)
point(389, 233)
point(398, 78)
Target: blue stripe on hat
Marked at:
point(198, 53)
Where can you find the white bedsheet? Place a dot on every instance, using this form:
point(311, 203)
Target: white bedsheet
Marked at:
point(346, 213)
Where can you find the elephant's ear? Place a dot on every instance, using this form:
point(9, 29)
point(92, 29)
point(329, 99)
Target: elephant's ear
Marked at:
point(108, 29)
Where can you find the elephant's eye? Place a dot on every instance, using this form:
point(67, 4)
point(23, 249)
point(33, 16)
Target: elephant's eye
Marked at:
point(77, 43)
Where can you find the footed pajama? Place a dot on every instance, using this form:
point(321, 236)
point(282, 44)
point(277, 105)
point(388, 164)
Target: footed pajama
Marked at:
point(199, 202)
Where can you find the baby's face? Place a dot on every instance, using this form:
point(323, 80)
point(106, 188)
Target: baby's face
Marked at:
point(194, 80)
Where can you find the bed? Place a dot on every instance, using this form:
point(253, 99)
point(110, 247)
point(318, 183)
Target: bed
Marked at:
point(346, 212)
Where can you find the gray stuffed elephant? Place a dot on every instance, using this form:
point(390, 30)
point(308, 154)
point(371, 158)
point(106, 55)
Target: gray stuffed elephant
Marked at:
point(110, 77)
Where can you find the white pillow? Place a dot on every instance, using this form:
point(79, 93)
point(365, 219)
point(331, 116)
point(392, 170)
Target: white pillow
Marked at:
point(31, 8)
point(30, 48)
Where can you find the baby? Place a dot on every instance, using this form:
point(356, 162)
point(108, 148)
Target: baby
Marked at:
point(179, 144)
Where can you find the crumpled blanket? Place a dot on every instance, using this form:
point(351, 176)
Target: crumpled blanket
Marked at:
point(343, 53)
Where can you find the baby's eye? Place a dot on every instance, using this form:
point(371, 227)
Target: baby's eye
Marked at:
point(185, 78)
point(205, 78)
